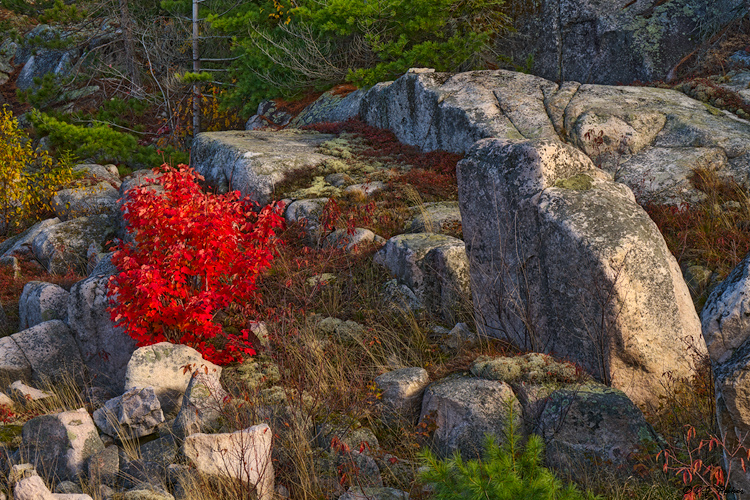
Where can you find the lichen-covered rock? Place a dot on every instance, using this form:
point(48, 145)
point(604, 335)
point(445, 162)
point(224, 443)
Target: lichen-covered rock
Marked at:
point(253, 162)
point(32, 488)
point(243, 455)
point(26, 395)
point(64, 246)
point(131, 415)
point(105, 348)
point(308, 213)
point(650, 138)
point(433, 266)
point(168, 368)
point(81, 201)
point(20, 246)
point(609, 41)
point(99, 173)
point(51, 351)
point(464, 409)
point(534, 367)
point(42, 302)
point(579, 268)
point(358, 238)
point(59, 445)
point(587, 426)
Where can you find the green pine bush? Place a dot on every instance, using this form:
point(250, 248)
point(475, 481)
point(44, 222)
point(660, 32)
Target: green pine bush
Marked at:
point(510, 472)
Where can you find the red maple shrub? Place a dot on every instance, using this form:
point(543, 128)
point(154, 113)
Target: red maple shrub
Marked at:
point(193, 255)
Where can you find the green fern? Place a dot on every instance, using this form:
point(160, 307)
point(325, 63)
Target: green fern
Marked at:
point(512, 472)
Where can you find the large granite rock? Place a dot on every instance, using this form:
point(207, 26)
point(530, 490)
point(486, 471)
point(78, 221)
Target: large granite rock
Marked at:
point(649, 138)
point(253, 162)
point(60, 445)
point(727, 332)
point(105, 348)
point(615, 41)
point(563, 260)
point(100, 198)
point(51, 352)
point(243, 455)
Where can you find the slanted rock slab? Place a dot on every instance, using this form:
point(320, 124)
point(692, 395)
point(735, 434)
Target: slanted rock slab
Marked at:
point(51, 351)
point(59, 445)
point(253, 162)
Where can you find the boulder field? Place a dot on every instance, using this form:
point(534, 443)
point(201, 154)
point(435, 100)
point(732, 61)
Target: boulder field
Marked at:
point(555, 252)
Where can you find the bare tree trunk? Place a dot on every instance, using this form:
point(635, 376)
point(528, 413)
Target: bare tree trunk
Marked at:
point(196, 69)
point(126, 23)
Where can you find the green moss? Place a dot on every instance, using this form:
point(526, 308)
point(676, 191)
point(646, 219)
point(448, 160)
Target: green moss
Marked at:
point(580, 182)
point(714, 111)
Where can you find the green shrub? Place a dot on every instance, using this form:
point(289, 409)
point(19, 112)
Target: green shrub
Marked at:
point(285, 47)
point(102, 143)
point(510, 472)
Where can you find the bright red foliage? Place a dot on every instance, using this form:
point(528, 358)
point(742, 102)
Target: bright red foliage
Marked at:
point(194, 254)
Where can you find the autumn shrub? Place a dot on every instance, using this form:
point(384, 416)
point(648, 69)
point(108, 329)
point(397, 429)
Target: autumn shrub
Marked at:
point(193, 255)
point(28, 178)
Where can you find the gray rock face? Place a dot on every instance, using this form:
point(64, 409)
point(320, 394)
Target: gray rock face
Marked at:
point(253, 161)
point(402, 392)
point(433, 266)
point(614, 41)
point(105, 348)
point(51, 352)
point(465, 409)
point(163, 367)
point(42, 302)
point(60, 444)
point(590, 425)
point(307, 212)
point(100, 173)
point(243, 455)
point(727, 331)
point(64, 246)
point(13, 364)
point(75, 202)
point(104, 466)
point(132, 415)
point(564, 260)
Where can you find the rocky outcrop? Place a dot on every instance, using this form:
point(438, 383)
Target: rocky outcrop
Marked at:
point(465, 409)
point(563, 260)
point(64, 246)
point(648, 138)
point(168, 368)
